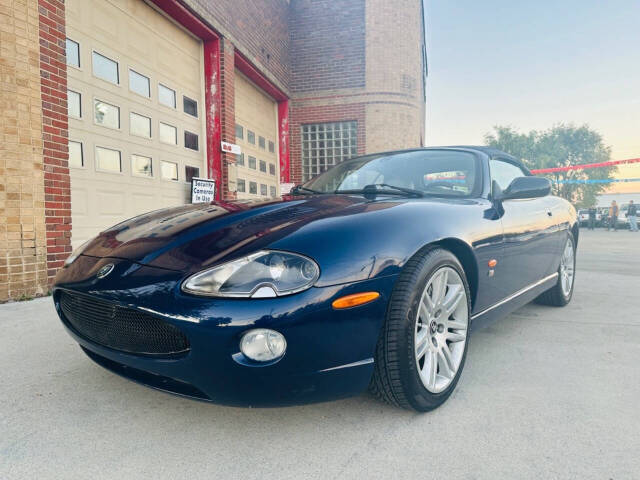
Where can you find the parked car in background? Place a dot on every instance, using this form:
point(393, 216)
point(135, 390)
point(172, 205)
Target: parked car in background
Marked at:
point(583, 217)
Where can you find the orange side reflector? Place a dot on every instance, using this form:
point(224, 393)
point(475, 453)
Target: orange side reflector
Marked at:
point(493, 262)
point(354, 300)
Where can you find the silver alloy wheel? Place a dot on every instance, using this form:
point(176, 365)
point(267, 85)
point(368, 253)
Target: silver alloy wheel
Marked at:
point(567, 268)
point(441, 329)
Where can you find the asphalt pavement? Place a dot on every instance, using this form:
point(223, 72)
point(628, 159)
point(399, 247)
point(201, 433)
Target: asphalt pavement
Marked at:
point(546, 393)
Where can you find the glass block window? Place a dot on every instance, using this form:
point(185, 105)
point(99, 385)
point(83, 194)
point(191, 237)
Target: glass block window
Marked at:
point(241, 185)
point(73, 53)
point(253, 188)
point(263, 189)
point(75, 154)
point(240, 160)
point(252, 162)
point(272, 147)
point(327, 144)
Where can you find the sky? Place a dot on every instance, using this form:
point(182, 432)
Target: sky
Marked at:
point(533, 64)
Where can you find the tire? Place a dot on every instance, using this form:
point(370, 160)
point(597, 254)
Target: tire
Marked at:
point(556, 296)
point(401, 375)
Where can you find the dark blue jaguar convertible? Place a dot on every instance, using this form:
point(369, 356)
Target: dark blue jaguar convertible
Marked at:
point(369, 275)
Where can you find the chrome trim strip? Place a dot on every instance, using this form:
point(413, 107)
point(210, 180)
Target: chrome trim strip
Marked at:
point(366, 361)
point(515, 295)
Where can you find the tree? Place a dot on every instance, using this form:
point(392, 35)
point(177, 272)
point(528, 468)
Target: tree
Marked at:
point(560, 146)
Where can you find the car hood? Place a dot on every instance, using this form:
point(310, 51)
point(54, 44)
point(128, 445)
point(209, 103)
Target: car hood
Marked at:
point(192, 237)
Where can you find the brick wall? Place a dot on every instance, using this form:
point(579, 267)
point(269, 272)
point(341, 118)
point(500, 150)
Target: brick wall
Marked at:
point(327, 44)
point(23, 269)
point(257, 28)
point(53, 79)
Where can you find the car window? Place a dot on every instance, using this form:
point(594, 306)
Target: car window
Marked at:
point(503, 172)
point(434, 172)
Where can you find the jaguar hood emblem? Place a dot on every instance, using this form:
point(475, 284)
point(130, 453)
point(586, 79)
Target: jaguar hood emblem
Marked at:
point(104, 271)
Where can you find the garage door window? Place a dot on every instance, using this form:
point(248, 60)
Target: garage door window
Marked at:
point(262, 142)
point(106, 114)
point(252, 162)
point(73, 53)
point(272, 191)
point(105, 68)
point(190, 141)
point(327, 144)
point(272, 147)
point(251, 137)
point(166, 96)
point(253, 188)
point(74, 104)
point(263, 189)
point(108, 160)
point(169, 170)
point(272, 169)
point(240, 160)
point(139, 125)
point(263, 166)
point(190, 106)
point(241, 185)
point(190, 173)
point(168, 134)
point(239, 132)
point(141, 166)
point(75, 154)
point(139, 84)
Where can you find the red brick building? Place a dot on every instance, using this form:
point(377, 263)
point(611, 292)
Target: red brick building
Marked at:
point(111, 107)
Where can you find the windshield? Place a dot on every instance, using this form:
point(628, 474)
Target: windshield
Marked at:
point(433, 172)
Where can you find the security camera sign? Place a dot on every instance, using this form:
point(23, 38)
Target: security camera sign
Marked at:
point(203, 190)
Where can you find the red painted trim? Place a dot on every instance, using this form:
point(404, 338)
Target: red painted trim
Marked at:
point(185, 17)
point(213, 106)
point(283, 141)
point(246, 67)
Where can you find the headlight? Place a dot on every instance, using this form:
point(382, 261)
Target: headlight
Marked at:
point(259, 275)
point(76, 253)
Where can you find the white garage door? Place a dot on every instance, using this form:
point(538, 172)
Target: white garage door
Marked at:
point(257, 168)
point(136, 127)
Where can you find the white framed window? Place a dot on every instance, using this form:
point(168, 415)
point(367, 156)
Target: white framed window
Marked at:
point(262, 142)
point(251, 137)
point(239, 132)
point(139, 84)
point(169, 170)
point(252, 162)
point(76, 158)
point(263, 166)
point(105, 68)
point(106, 114)
point(141, 166)
point(139, 125)
point(327, 144)
point(74, 104)
point(272, 191)
point(253, 188)
point(190, 106)
point(108, 160)
point(168, 134)
point(263, 190)
point(272, 147)
point(166, 96)
point(241, 186)
point(73, 53)
point(272, 169)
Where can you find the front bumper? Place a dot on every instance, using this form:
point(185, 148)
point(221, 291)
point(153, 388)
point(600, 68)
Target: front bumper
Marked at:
point(329, 353)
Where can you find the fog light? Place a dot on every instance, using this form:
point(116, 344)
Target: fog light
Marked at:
point(263, 345)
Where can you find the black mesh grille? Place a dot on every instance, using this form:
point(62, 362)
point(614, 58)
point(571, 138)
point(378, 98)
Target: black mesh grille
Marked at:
point(121, 328)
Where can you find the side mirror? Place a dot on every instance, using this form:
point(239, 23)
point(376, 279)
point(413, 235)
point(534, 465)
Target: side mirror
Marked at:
point(526, 187)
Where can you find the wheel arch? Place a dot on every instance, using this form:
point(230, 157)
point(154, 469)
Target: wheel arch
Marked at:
point(464, 254)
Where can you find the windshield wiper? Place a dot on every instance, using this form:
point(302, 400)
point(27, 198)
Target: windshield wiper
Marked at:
point(299, 189)
point(387, 190)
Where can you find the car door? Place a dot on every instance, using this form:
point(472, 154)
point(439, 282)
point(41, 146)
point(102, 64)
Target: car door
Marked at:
point(528, 225)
